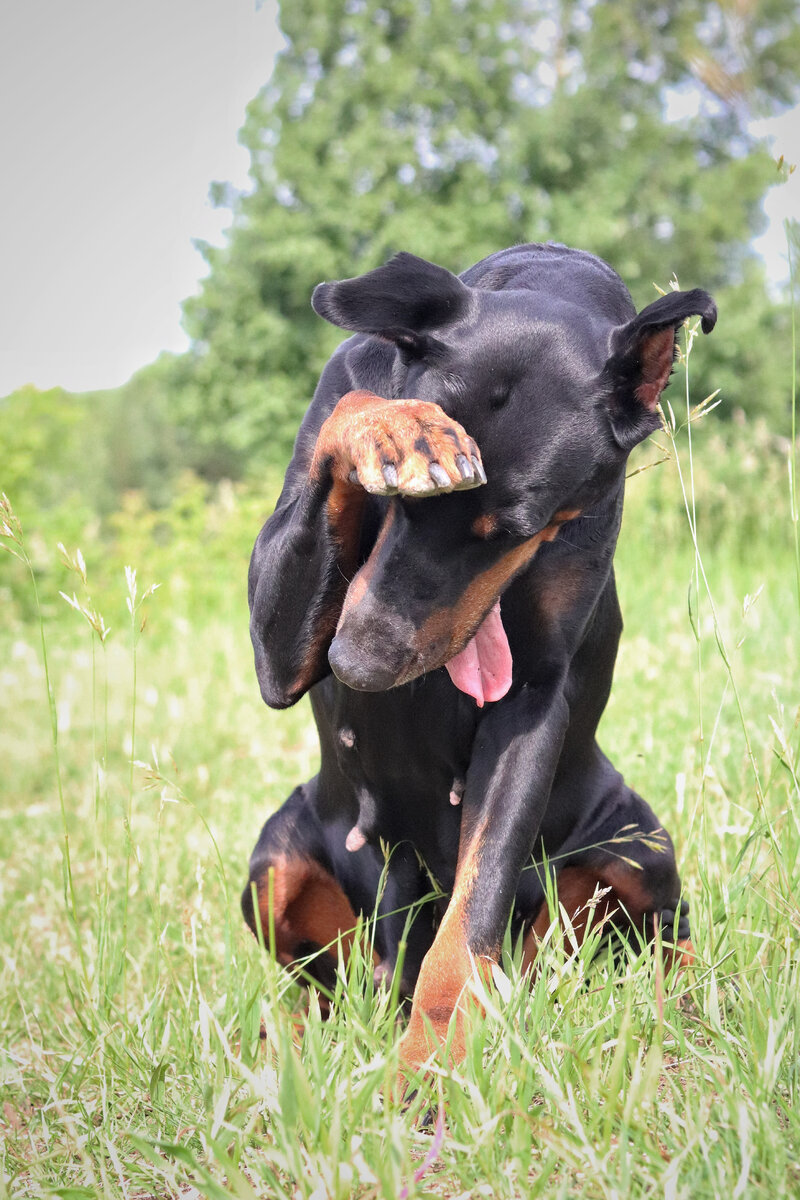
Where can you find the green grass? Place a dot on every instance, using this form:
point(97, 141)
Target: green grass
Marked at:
point(131, 994)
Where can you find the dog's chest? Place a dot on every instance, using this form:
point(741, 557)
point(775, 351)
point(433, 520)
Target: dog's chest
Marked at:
point(400, 757)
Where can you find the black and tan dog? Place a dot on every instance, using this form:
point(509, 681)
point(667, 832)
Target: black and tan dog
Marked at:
point(438, 572)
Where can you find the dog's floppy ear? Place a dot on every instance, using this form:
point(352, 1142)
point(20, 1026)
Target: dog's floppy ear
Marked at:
point(400, 301)
point(641, 358)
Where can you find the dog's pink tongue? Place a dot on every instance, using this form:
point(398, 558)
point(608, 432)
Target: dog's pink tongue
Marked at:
point(483, 668)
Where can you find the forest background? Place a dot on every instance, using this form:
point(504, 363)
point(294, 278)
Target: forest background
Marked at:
point(452, 128)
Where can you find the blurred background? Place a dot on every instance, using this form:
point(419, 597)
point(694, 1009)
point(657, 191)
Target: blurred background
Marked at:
point(648, 133)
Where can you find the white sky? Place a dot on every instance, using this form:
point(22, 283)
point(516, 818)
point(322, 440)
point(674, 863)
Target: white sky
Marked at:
point(114, 119)
point(783, 202)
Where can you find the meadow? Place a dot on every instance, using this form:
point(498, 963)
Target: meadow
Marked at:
point(138, 764)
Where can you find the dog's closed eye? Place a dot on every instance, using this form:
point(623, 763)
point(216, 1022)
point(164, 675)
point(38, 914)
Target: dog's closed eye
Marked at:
point(498, 400)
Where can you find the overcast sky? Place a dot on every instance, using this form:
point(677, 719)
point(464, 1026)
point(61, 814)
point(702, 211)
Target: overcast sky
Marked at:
point(114, 119)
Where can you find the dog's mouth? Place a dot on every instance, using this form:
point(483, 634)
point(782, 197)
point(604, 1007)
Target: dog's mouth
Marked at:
point(377, 646)
point(483, 668)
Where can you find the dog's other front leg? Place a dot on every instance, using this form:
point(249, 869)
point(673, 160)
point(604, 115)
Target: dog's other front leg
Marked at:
point(507, 789)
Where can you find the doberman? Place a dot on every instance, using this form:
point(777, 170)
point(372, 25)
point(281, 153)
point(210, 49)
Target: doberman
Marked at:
point(438, 573)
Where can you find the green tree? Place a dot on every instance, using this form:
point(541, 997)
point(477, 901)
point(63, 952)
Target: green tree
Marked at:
point(456, 127)
point(46, 446)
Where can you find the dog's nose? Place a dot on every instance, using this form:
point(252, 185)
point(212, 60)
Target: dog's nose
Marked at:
point(360, 667)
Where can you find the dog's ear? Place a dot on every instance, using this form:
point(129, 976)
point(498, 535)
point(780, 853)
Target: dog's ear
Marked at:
point(400, 301)
point(641, 358)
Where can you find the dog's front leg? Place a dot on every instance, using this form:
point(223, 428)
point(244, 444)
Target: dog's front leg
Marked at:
point(507, 789)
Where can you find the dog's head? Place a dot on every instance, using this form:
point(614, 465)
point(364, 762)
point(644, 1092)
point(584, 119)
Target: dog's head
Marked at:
point(556, 387)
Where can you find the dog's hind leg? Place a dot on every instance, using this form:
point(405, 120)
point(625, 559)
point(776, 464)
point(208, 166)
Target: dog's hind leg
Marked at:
point(306, 891)
point(293, 895)
point(623, 878)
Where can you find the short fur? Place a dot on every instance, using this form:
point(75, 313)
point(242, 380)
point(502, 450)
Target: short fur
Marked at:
point(385, 553)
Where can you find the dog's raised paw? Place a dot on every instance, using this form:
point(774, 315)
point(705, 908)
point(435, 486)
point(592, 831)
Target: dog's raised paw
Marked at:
point(406, 447)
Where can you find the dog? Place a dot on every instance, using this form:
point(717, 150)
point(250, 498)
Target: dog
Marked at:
point(438, 575)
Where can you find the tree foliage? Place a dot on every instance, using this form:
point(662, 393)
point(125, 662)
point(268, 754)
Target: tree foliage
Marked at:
point(453, 128)
point(450, 128)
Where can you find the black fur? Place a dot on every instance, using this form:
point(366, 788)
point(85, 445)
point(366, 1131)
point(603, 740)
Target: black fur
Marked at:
point(539, 353)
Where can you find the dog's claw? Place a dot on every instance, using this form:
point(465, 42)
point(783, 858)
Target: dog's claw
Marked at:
point(353, 476)
point(439, 475)
point(389, 472)
point(465, 468)
point(479, 471)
